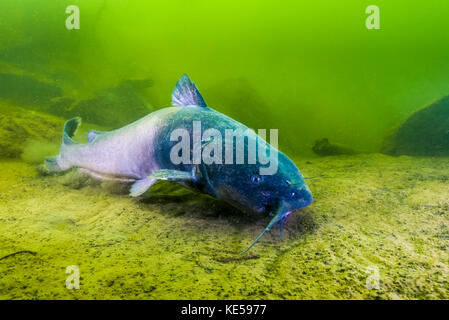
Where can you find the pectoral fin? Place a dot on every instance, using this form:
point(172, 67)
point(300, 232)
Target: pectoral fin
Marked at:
point(140, 186)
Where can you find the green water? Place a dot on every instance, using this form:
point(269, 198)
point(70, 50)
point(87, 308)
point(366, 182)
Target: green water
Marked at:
point(315, 66)
point(308, 68)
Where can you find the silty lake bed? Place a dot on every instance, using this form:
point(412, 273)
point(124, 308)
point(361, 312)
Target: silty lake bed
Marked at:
point(371, 212)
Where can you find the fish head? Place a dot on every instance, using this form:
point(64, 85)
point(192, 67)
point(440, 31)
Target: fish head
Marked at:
point(277, 194)
point(244, 187)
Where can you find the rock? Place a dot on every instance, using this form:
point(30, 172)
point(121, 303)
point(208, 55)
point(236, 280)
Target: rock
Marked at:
point(238, 99)
point(111, 107)
point(25, 90)
point(323, 147)
point(114, 107)
point(424, 133)
point(59, 106)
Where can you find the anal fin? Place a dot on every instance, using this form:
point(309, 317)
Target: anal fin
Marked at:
point(105, 177)
point(140, 186)
point(173, 175)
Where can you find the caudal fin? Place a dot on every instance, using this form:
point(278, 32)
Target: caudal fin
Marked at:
point(56, 163)
point(69, 131)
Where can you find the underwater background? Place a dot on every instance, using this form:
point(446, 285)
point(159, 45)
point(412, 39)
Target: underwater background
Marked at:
point(364, 109)
point(309, 68)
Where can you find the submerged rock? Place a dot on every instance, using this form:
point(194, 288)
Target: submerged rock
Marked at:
point(23, 89)
point(323, 148)
point(241, 101)
point(424, 133)
point(116, 106)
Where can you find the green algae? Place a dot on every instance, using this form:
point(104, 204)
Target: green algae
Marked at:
point(369, 210)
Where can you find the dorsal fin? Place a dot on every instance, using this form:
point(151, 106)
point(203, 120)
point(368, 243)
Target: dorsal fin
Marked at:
point(186, 93)
point(92, 134)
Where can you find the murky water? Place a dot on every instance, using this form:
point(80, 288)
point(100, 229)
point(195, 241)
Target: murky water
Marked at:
point(339, 93)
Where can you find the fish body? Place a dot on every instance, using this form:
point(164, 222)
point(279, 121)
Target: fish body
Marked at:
point(143, 152)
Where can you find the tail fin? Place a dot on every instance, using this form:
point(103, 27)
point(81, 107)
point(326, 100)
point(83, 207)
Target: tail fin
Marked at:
point(70, 130)
point(56, 163)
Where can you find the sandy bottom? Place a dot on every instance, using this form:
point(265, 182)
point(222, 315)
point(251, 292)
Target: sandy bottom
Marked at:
point(371, 212)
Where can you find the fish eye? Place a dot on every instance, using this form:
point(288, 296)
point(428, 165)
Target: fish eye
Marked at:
point(255, 179)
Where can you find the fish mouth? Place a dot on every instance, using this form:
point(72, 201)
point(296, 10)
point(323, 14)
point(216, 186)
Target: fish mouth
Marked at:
point(304, 199)
point(305, 203)
point(285, 215)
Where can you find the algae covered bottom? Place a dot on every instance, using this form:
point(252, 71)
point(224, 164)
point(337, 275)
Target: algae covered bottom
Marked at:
point(372, 212)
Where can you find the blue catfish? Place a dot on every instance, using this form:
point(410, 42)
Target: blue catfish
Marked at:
point(147, 150)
